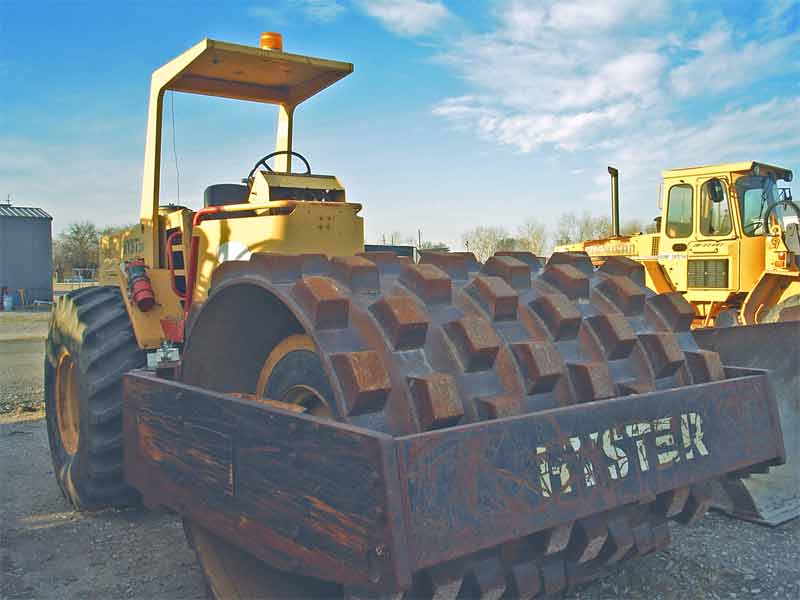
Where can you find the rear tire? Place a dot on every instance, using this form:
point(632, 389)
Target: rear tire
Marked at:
point(89, 347)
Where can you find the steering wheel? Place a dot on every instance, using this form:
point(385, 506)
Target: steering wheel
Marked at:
point(262, 162)
point(771, 208)
point(753, 226)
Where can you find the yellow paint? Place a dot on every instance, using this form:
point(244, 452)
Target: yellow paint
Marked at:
point(286, 212)
point(67, 400)
point(221, 69)
point(329, 228)
point(757, 277)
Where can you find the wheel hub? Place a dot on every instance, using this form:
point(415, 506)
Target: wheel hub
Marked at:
point(306, 395)
point(67, 402)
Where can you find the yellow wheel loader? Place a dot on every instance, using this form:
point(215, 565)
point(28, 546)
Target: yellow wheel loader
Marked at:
point(329, 422)
point(728, 240)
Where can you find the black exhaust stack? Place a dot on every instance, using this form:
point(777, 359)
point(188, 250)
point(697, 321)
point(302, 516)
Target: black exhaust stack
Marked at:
point(614, 201)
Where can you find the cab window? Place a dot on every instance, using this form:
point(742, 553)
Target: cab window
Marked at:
point(715, 212)
point(755, 195)
point(679, 211)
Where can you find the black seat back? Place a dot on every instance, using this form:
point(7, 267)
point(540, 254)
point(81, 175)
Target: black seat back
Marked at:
point(225, 193)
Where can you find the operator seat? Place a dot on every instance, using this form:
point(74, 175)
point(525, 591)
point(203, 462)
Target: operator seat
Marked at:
point(221, 194)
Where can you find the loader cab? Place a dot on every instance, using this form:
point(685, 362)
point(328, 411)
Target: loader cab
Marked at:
point(712, 230)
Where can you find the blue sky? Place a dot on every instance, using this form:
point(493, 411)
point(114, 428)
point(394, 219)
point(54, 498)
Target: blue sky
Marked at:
point(458, 113)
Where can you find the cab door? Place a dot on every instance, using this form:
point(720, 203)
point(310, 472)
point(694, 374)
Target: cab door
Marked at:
point(714, 254)
point(747, 198)
point(678, 231)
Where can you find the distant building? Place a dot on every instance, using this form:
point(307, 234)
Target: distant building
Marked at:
point(26, 253)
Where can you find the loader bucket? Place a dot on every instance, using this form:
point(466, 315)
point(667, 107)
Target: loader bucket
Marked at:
point(770, 498)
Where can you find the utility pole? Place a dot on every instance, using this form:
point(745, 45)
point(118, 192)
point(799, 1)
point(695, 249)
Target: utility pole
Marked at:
point(419, 238)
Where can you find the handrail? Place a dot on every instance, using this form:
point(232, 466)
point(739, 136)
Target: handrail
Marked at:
point(170, 263)
point(236, 208)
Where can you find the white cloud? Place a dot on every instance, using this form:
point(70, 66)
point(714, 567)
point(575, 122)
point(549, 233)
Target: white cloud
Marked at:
point(540, 84)
point(407, 17)
point(579, 75)
point(323, 11)
point(271, 15)
point(757, 132)
point(526, 18)
point(528, 130)
point(777, 13)
point(583, 14)
point(724, 64)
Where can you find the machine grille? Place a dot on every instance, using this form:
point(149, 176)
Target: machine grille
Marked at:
point(654, 245)
point(708, 273)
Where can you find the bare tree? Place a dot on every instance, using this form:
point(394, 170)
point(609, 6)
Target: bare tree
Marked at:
point(429, 245)
point(507, 243)
point(113, 230)
point(573, 228)
point(631, 227)
point(396, 238)
point(532, 236)
point(77, 247)
point(484, 241)
point(634, 226)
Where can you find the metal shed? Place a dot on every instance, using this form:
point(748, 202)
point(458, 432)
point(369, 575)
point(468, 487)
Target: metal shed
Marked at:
point(26, 253)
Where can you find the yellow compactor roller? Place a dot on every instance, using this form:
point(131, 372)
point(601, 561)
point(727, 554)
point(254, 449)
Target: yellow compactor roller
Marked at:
point(330, 422)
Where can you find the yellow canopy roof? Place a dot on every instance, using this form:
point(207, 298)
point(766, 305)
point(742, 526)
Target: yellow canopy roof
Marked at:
point(228, 70)
point(735, 167)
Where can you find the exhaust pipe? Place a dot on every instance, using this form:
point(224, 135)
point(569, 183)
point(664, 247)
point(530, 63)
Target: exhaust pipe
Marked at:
point(614, 201)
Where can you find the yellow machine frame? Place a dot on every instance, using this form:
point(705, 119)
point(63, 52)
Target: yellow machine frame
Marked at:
point(268, 221)
point(760, 272)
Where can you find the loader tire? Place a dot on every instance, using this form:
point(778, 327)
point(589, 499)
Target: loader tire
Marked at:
point(90, 346)
point(379, 342)
point(774, 314)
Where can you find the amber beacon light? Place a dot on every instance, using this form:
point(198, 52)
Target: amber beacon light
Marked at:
point(271, 40)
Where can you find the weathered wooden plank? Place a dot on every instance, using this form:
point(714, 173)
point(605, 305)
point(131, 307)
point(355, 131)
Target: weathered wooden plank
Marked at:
point(304, 497)
point(188, 451)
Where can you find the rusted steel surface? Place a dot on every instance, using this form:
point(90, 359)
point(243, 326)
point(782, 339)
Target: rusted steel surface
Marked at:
point(302, 496)
point(413, 348)
point(772, 497)
point(327, 499)
point(483, 484)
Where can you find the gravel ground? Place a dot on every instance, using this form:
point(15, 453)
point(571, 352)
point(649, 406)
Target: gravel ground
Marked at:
point(49, 551)
point(21, 360)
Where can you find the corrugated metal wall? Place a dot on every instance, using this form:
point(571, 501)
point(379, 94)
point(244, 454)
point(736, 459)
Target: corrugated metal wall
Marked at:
point(26, 256)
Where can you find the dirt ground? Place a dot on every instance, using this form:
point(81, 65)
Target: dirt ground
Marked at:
point(49, 551)
point(21, 360)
